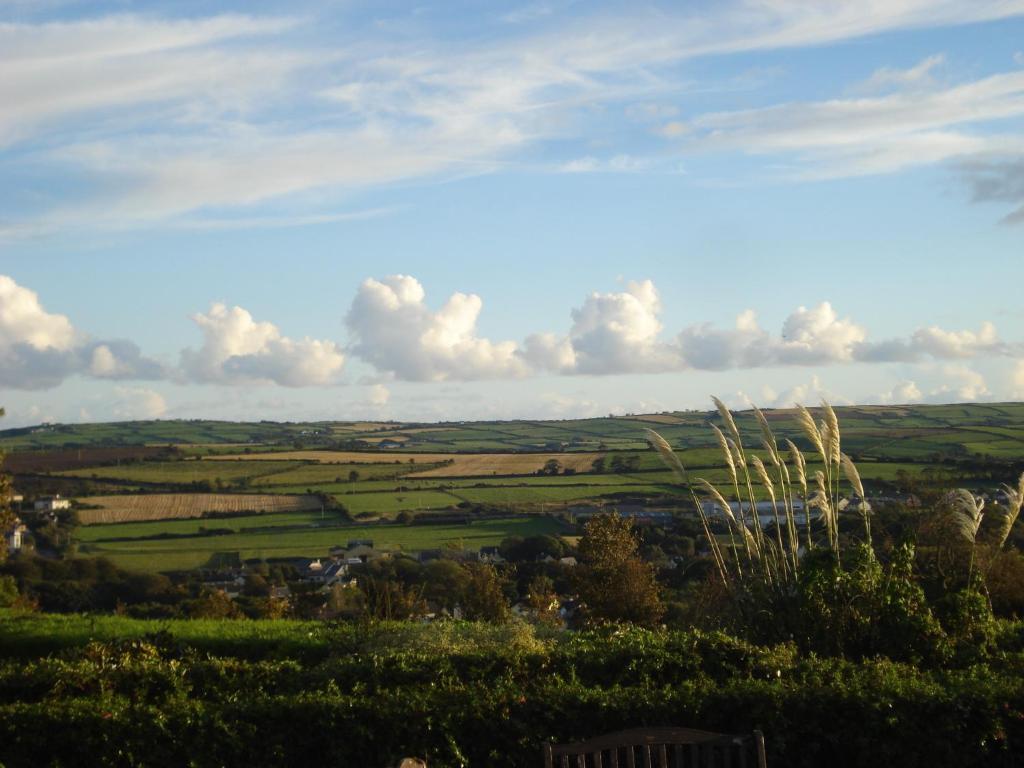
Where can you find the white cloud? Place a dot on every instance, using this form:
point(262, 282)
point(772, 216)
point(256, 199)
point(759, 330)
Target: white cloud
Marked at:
point(914, 125)
point(811, 392)
point(903, 393)
point(379, 395)
point(615, 332)
point(394, 329)
point(53, 70)
point(938, 343)
point(621, 332)
point(236, 348)
point(232, 111)
point(616, 164)
point(136, 403)
point(39, 349)
point(918, 75)
point(24, 321)
point(1018, 381)
point(960, 384)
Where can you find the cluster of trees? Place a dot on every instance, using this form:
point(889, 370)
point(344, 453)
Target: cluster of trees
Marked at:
point(611, 582)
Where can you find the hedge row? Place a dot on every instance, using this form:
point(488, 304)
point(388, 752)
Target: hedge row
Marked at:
point(477, 697)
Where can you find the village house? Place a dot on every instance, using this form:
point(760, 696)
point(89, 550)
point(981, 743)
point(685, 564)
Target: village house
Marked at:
point(491, 555)
point(327, 573)
point(15, 535)
point(51, 504)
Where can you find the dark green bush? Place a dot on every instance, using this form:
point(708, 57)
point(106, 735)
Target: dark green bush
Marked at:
point(478, 695)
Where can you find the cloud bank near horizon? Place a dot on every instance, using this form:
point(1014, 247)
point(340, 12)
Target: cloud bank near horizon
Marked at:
point(395, 333)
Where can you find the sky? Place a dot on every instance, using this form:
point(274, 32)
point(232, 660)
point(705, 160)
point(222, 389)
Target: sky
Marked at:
point(486, 210)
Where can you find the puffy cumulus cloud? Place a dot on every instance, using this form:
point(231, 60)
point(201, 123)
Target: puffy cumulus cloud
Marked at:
point(621, 332)
point(809, 337)
point(961, 384)
point(394, 329)
point(935, 342)
point(39, 349)
point(236, 348)
point(818, 335)
point(903, 393)
point(134, 403)
point(1017, 380)
point(24, 321)
point(807, 393)
point(611, 333)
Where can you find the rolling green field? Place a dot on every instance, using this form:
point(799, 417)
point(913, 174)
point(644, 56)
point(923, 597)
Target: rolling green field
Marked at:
point(933, 445)
point(993, 429)
point(155, 554)
point(191, 471)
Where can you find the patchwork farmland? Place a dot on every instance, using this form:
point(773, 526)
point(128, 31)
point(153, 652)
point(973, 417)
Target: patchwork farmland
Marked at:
point(286, 489)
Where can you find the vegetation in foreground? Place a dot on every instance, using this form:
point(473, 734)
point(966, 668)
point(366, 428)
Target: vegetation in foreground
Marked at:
point(203, 693)
point(844, 643)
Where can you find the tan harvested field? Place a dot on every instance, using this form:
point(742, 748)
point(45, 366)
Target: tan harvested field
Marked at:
point(462, 464)
point(480, 464)
point(658, 418)
point(366, 426)
point(169, 506)
point(339, 457)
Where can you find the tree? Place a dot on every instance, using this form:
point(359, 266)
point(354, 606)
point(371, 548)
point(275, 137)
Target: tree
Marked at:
point(353, 476)
point(622, 464)
point(613, 582)
point(214, 604)
point(543, 601)
point(516, 549)
point(7, 516)
point(552, 467)
point(598, 465)
point(485, 595)
point(446, 583)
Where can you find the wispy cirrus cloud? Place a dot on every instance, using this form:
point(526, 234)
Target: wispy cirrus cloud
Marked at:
point(868, 135)
point(162, 118)
point(55, 70)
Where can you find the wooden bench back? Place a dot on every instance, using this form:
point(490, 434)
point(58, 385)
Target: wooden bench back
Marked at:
point(660, 748)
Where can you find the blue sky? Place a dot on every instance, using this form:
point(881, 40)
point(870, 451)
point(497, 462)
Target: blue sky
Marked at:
point(483, 210)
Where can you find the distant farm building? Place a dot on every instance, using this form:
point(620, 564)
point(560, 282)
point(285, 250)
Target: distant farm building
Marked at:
point(52, 504)
point(14, 536)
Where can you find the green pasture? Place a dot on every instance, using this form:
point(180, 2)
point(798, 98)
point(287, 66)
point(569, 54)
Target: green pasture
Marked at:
point(153, 555)
point(90, 534)
point(318, 475)
point(188, 471)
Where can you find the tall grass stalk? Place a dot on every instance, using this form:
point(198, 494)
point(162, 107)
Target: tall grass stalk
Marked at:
point(775, 563)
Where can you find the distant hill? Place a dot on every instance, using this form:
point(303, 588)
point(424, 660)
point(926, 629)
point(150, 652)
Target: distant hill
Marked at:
point(912, 432)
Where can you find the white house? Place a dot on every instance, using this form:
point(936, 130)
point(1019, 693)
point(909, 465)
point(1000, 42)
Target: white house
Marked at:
point(14, 535)
point(52, 504)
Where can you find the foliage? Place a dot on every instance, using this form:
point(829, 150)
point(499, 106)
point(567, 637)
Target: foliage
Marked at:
point(225, 693)
point(613, 582)
point(7, 516)
point(484, 598)
point(817, 583)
